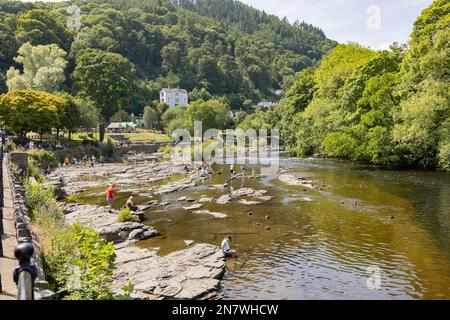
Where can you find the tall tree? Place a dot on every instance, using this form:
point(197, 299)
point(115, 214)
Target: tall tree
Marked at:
point(24, 111)
point(107, 78)
point(43, 68)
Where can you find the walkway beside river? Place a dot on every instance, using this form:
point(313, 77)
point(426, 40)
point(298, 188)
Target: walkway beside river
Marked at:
point(8, 262)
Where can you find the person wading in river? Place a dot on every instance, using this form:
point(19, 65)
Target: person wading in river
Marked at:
point(226, 248)
point(110, 191)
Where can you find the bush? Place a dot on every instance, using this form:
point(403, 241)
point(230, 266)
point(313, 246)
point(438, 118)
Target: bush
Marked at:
point(43, 159)
point(126, 216)
point(80, 263)
point(165, 149)
point(444, 156)
point(34, 171)
point(72, 199)
point(41, 200)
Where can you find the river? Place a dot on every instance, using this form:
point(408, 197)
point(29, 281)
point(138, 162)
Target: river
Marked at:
point(325, 243)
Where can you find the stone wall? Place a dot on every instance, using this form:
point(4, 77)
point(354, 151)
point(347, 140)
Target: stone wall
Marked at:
point(24, 233)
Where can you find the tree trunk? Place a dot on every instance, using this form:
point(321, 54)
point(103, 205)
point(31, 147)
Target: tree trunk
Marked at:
point(57, 134)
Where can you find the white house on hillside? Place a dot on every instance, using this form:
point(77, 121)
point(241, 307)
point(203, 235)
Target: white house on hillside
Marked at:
point(174, 97)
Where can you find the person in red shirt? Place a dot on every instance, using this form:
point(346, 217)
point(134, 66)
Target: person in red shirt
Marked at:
point(110, 191)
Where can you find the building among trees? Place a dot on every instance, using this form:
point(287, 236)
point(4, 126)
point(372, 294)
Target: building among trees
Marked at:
point(121, 127)
point(174, 97)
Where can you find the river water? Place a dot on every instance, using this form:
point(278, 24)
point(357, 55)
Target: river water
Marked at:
point(365, 225)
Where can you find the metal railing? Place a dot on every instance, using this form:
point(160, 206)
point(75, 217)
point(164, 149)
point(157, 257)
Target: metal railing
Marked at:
point(26, 272)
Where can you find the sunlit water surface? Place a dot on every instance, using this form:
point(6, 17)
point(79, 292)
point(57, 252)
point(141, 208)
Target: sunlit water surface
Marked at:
point(364, 217)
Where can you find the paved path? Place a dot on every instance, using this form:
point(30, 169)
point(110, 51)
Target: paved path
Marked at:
point(8, 262)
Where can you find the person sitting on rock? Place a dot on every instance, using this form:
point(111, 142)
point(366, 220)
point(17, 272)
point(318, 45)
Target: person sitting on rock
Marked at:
point(130, 204)
point(226, 248)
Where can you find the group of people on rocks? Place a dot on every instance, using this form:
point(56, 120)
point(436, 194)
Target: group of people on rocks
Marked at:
point(111, 198)
point(87, 161)
point(226, 243)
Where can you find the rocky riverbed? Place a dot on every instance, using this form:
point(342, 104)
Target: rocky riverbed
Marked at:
point(193, 273)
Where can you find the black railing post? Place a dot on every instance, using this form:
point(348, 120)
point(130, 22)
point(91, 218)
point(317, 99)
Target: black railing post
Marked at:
point(25, 273)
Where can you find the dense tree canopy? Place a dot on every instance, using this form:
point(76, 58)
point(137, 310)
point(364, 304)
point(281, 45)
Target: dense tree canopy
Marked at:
point(216, 48)
point(387, 107)
point(22, 111)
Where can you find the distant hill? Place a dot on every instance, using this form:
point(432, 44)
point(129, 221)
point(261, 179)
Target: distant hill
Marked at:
point(220, 48)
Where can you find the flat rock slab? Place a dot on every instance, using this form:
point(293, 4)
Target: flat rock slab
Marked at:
point(248, 203)
point(292, 180)
point(106, 224)
point(193, 273)
point(193, 207)
point(78, 178)
point(265, 198)
point(218, 215)
point(224, 199)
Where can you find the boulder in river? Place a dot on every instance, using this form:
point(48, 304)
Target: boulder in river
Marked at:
point(205, 200)
point(193, 273)
point(188, 243)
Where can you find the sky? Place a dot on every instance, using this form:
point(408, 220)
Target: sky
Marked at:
point(371, 23)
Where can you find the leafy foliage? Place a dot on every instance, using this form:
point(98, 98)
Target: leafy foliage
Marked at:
point(125, 215)
point(380, 107)
point(28, 110)
point(78, 262)
point(219, 48)
point(43, 68)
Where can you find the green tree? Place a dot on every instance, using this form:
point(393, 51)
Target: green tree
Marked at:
point(213, 114)
point(120, 116)
point(25, 111)
point(151, 118)
point(107, 78)
point(43, 68)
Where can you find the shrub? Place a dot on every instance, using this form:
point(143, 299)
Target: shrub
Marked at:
point(165, 149)
point(43, 159)
point(126, 216)
point(80, 263)
point(72, 198)
point(444, 156)
point(34, 171)
point(41, 200)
